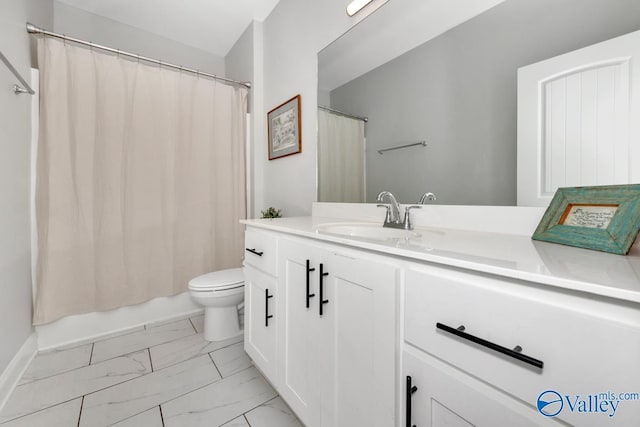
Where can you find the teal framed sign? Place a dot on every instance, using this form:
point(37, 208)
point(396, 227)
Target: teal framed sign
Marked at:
point(604, 218)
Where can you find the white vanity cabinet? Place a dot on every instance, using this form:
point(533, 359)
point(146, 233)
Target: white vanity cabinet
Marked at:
point(260, 335)
point(300, 331)
point(353, 322)
point(461, 327)
point(338, 340)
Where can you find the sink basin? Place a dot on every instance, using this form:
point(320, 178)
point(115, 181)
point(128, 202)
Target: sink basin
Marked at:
point(367, 231)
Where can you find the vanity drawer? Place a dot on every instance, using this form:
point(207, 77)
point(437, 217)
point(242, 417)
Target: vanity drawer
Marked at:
point(584, 351)
point(261, 250)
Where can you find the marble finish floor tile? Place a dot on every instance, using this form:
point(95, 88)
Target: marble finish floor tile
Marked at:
point(274, 413)
point(150, 418)
point(231, 359)
point(119, 402)
point(237, 422)
point(125, 344)
point(41, 394)
point(198, 323)
point(53, 362)
point(62, 415)
point(220, 402)
point(182, 349)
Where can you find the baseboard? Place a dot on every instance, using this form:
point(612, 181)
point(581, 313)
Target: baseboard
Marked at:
point(11, 376)
point(99, 325)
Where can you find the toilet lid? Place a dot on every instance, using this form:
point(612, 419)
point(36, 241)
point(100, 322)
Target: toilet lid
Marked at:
point(218, 280)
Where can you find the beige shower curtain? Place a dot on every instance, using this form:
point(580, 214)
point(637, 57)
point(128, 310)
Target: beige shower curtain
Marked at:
point(140, 180)
point(341, 167)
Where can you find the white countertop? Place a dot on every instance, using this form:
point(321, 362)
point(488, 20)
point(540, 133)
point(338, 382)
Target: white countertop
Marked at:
point(508, 255)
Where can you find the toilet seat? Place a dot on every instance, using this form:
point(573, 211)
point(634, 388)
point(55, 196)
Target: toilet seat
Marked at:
point(223, 280)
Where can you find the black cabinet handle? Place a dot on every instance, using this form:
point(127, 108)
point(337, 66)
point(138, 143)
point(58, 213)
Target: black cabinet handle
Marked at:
point(267, 316)
point(309, 270)
point(322, 300)
point(495, 347)
point(410, 390)
point(253, 251)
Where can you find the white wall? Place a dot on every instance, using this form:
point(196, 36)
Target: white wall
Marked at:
point(293, 34)
point(87, 26)
point(15, 125)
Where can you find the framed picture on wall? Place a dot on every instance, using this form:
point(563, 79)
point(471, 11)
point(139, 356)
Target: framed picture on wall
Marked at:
point(284, 129)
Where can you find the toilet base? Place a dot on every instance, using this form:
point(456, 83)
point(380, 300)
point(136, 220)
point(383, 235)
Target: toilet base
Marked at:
point(221, 323)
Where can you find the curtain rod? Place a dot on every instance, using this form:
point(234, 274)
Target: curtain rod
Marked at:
point(17, 89)
point(342, 113)
point(32, 29)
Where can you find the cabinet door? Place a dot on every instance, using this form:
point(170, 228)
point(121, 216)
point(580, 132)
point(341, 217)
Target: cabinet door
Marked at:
point(260, 320)
point(447, 397)
point(359, 336)
point(299, 343)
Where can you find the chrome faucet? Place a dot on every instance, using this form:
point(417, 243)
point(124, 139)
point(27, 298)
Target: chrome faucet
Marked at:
point(392, 219)
point(425, 197)
point(393, 209)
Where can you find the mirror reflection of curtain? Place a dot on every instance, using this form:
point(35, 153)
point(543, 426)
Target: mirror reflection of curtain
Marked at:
point(341, 165)
point(140, 180)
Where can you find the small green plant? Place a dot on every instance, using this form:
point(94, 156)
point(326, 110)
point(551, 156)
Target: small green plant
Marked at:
point(271, 212)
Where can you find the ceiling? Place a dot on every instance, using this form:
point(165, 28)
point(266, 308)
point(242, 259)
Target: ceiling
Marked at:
point(210, 25)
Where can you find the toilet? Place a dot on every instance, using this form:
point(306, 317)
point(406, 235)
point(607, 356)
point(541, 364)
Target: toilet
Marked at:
point(220, 293)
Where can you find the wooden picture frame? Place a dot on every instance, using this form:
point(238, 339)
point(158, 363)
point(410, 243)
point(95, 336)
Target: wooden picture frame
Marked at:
point(284, 129)
point(604, 218)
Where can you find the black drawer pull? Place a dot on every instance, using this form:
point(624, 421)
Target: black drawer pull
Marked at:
point(495, 347)
point(309, 270)
point(410, 390)
point(322, 300)
point(267, 316)
point(253, 251)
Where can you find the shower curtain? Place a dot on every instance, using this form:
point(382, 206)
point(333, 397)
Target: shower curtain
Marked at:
point(341, 168)
point(140, 180)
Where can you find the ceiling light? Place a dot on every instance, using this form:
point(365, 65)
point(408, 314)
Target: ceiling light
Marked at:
point(356, 5)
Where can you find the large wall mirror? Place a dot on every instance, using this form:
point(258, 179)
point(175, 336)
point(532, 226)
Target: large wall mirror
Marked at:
point(444, 73)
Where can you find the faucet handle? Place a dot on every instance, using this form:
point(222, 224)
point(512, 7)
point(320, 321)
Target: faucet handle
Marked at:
point(407, 216)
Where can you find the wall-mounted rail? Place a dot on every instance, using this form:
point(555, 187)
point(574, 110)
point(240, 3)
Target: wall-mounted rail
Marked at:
point(25, 88)
point(423, 143)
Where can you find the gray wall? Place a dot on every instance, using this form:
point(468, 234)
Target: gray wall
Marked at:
point(239, 64)
point(458, 92)
point(87, 26)
point(15, 134)
point(239, 60)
